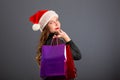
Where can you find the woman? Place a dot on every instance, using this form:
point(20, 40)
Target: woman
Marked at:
point(47, 21)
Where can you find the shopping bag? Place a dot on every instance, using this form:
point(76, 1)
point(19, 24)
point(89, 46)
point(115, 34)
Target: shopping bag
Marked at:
point(53, 62)
point(71, 70)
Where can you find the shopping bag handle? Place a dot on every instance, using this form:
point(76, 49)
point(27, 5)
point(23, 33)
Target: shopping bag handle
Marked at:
point(54, 39)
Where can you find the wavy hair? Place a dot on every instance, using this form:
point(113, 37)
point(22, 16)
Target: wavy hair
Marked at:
point(43, 37)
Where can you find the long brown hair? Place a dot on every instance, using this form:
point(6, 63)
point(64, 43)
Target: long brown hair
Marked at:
point(43, 37)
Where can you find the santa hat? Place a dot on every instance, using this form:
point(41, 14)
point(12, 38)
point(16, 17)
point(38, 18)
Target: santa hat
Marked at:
point(41, 18)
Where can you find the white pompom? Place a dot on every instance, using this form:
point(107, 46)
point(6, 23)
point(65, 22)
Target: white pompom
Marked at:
point(36, 27)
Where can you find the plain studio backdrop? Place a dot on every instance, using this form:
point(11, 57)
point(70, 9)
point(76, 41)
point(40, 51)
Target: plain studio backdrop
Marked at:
point(94, 25)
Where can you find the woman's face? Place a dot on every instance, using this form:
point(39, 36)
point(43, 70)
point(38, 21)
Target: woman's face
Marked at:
point(54, 25)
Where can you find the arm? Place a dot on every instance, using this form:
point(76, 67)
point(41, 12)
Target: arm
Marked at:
point(75, 50)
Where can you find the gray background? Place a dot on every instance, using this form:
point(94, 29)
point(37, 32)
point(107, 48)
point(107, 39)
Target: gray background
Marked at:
point(94, 25)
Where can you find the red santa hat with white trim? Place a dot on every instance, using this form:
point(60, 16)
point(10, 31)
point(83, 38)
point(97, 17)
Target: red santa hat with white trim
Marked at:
point(41, 18)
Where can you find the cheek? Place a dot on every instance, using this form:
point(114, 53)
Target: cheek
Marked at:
point(51, 28)
point(58, 25)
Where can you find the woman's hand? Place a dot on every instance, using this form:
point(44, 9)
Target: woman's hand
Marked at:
point(62, 34)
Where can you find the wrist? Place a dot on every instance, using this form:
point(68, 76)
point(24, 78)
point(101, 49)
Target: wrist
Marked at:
point(67, 39)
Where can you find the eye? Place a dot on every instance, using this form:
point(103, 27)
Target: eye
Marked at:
point(51, 22)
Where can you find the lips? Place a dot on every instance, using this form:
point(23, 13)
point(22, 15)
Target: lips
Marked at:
point(56, 28)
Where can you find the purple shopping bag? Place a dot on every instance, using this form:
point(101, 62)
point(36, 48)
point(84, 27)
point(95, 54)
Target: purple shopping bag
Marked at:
point(53, 60)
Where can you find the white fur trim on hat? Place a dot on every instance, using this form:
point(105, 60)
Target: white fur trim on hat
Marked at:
point(46, 18)
point(36, 27)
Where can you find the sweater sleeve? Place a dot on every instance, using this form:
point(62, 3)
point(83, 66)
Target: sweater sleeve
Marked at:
point(75, 50)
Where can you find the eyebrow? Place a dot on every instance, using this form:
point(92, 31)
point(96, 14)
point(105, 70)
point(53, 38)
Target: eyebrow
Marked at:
point(50, 21)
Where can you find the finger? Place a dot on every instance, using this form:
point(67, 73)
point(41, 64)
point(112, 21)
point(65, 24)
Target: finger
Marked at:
point(58, 36)
point(54, 36)
point(59, 32)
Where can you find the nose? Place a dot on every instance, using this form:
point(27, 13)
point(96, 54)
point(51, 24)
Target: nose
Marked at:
point(56, 23)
